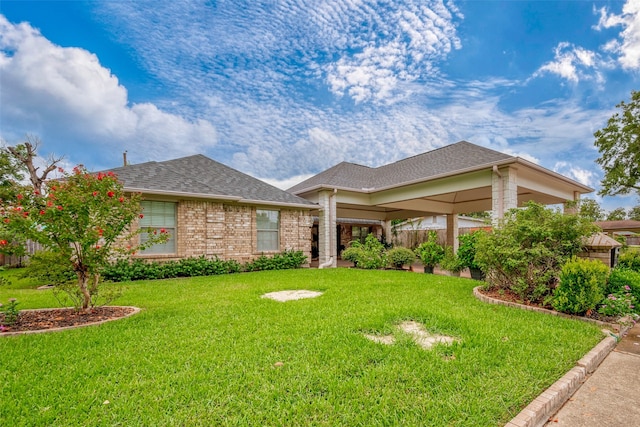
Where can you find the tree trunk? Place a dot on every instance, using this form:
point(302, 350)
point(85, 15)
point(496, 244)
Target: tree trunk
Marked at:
point(83, 278)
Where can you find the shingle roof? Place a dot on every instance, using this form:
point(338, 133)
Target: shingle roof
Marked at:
point(626, 225)
point(446, 160)
point(201, 176)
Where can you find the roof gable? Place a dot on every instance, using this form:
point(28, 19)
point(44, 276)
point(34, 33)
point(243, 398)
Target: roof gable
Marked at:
point(445, 160)
point(200, 176)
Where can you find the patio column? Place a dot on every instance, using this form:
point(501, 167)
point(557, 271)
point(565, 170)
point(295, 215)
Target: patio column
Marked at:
point(504, 192)
point(387, 231)
point(452, 231)
point(327, 228)
point(572, 207)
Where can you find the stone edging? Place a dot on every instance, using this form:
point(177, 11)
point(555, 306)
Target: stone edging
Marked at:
point(136, 310)
point(538, 412)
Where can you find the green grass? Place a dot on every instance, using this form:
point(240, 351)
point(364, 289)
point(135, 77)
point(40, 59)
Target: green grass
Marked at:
point(202, 352)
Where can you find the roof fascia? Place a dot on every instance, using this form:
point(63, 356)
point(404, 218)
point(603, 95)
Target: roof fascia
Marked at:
point(555, 175)
point(182, 194)
point(220, 197)
point(311, 205)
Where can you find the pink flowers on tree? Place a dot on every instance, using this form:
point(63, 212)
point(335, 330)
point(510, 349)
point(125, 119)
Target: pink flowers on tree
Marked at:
point(86, 219)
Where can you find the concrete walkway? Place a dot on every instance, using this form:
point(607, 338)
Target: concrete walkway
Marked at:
point(610, 396)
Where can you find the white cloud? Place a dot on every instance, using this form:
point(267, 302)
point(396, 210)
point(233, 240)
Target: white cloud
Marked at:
point(572, 63)
point(576, 64)
point(627, 46)
point(406, 44)
point(583, 176)
point(67, 92)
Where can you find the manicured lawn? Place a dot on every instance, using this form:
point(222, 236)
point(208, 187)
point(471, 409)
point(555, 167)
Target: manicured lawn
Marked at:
point(202, 352)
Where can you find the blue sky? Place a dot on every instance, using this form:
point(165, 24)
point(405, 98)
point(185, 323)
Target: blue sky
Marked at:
point(282, 90)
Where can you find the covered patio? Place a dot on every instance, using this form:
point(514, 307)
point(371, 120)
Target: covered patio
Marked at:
point(456, 179)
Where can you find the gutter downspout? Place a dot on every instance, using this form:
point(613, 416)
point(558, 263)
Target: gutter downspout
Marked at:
point(326, 264)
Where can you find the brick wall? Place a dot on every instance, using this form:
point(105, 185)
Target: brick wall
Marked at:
point(215, 229)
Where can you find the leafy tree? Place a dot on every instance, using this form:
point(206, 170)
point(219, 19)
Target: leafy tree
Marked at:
point(619, 146)
point(634, 213)
point(618, 214)
point(591, 209)
point(85, 219)
point(15, 163)
point(526, 251)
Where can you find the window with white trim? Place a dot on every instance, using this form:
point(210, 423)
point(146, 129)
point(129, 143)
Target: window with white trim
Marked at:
point(159, 216)
point(268, 226)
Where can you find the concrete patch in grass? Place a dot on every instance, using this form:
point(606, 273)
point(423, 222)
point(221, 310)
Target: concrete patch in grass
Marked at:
point(419, 334)
point(283, 296)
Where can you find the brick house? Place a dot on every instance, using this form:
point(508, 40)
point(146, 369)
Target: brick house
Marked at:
point(213, 210)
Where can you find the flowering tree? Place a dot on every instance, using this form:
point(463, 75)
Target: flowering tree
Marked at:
point(86, 219)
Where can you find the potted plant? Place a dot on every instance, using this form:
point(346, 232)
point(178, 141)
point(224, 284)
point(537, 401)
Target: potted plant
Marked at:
point(399, 256)
point(430, 252)
point(451, 263)
point(467, 254)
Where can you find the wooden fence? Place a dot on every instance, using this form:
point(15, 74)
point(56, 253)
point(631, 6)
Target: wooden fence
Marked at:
point(412, 238)
point(16, 261)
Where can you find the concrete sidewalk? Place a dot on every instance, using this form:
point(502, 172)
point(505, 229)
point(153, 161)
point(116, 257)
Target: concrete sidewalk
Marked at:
point(610, 396)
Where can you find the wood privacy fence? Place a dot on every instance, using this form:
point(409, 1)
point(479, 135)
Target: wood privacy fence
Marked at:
point(412, 238)
point(15, 261)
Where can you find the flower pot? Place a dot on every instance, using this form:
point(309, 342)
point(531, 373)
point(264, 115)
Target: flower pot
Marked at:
point(476, 274)
point(428, 269)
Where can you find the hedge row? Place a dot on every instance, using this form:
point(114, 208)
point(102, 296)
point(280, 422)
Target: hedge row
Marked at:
point(126, 270)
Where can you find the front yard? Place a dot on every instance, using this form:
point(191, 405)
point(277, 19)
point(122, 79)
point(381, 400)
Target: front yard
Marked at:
point(210, 351)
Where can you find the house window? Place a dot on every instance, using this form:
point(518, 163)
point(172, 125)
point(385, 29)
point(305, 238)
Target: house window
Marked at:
point(159, 215)
point(359, 234)
point(268, 226)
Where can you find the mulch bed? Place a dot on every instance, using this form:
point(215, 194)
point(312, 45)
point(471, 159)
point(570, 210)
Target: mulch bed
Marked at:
point(38, 320)
point(507, 295)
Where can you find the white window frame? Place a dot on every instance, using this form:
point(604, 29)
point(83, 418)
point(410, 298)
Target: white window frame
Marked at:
point(268, 233)
point(159, 215)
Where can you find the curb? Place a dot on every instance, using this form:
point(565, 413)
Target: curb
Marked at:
point(538, 412)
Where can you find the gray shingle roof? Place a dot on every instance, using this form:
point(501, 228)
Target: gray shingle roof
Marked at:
point(201, 176)
point(446, 160)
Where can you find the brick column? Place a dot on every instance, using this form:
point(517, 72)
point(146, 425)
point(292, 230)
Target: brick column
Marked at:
point(452, 231)
point(504, 192)
point(327, 228)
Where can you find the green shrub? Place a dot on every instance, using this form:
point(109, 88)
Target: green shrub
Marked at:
point(450, 261)
point(353, 253)
point(581, 288)
point(282, 261)
point(10, 312)
point(630, 260)
point(126, 270)
point(371, 255)
point(400, 256)
point(527, 250)
point(48, 268)
point(467, 249)
point(621, 278)
point(430, 251)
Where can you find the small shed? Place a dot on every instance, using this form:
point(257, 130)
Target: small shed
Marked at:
point(628, 228)
point(603, 248)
